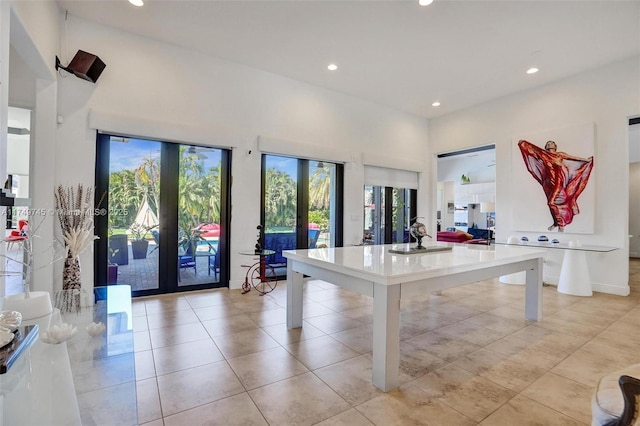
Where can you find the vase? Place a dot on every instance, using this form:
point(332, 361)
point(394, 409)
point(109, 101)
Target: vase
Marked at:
point(71, 278)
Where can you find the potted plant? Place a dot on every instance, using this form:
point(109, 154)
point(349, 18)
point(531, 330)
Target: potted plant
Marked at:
point(112, 267)
point(139, 245)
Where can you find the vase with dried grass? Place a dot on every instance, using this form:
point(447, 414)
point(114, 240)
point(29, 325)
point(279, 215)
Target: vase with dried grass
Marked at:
point(74, 207)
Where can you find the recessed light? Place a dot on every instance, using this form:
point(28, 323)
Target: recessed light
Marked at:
point(435, 104)
point(332, 67)
point(425, 2)
point(532, 70)
point(136, 2)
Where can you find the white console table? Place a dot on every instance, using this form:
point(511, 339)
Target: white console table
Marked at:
point(58, 384)
point(574, 272)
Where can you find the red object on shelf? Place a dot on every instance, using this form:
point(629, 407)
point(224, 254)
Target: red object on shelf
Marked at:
point(18, 235)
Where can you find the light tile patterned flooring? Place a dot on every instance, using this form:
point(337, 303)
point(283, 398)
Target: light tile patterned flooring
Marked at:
point(467, 357)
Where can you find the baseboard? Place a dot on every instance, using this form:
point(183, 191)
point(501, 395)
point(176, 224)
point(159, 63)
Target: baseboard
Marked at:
point(611, 289)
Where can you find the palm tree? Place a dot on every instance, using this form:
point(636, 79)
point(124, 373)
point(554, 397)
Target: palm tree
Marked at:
point(199, 192)
point(320, 188)
point(280, 198)
point(124, 198)
point(148, 181)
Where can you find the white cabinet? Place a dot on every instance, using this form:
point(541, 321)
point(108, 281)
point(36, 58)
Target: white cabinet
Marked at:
point(475, 193)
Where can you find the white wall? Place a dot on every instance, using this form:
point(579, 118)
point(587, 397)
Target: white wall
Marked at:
point(474, 165)
point(607, 97)
point(151, 88)
point(35, 34)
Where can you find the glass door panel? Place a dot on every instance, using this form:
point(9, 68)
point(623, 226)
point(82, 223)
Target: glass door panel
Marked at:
point(302, 206)
point(199, 195)
point(168, 210)
point(322, 202)
point(374, 215)
point(280, 208)
point(377, 216)
point(134, 194)
point(401, 215)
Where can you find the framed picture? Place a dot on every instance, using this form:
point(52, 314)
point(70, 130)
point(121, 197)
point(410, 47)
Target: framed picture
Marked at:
point(553, 180)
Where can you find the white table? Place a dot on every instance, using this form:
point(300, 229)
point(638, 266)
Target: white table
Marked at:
point(574, 272)
point(373, 271)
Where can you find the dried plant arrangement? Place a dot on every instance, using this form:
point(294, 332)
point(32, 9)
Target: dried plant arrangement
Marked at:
point(74, 207)
point(27, 263)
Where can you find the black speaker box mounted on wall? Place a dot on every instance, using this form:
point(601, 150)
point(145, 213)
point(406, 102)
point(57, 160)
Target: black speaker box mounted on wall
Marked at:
point(84, 65)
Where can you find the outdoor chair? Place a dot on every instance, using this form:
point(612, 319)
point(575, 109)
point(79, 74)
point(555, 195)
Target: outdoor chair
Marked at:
point(214, 265)
point(188, 259)
point(156, 238)
point(313, 237)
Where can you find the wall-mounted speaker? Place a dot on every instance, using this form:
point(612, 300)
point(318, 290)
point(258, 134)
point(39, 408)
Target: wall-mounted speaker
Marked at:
point(84, 65)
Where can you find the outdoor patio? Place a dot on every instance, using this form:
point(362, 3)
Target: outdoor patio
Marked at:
point(142, 274)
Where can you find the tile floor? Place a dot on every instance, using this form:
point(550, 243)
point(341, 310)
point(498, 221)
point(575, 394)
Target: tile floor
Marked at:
point(467, 357)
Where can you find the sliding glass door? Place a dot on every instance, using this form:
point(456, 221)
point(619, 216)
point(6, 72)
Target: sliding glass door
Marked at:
point(167, 210)
point(302, 206)
point(199, 208)
point(384, 223)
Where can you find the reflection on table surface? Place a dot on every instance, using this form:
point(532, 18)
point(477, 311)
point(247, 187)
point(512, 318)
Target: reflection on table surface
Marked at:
point(80, 381)
point(103, 366)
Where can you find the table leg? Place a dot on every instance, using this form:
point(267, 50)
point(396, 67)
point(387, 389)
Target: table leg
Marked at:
point(386, 336)
point(533, 293)
point(294, 297)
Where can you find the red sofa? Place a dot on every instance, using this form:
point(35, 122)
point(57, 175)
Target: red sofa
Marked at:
point(474, 236)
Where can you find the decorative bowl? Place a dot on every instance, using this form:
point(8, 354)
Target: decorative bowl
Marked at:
point(58, 333)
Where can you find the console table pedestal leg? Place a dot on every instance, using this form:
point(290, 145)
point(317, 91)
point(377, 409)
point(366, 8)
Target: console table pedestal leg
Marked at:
point(574, 274)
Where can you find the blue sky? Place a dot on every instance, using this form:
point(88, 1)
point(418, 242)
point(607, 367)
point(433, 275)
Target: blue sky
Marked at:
point(286, 164)
point(130, 155)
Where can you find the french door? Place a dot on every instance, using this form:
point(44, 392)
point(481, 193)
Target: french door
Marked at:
point(388, 214)
point(166, 215)
point(302, 206)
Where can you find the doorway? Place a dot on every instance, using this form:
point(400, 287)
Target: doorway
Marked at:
point(634, 187)
point(166, 215)
point(388, 222)
point(467, 189)
point(18, 173)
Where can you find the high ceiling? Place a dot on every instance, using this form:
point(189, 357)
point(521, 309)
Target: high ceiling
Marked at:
point(394, 53)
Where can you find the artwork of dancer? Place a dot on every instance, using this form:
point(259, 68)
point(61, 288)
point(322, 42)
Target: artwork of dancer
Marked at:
point(563, 178)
